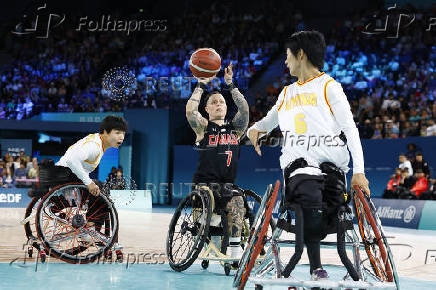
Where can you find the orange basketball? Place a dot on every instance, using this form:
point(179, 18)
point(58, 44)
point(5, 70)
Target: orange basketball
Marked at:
point(205, 63)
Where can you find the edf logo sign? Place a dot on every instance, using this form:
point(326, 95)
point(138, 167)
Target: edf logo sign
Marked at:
point(14, 197)
point(10, 197)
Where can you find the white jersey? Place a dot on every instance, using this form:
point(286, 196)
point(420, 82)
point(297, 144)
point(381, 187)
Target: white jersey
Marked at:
point(83, 156)
point(311, 116)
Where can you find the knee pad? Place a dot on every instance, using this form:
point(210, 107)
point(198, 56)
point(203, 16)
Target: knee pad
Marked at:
point(314, 224)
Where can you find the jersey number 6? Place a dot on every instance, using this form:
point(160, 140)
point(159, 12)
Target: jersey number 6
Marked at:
point(300, 125)
point(229, 157)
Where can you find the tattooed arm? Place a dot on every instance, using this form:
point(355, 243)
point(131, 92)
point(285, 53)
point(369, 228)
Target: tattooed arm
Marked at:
point(240, 121)
point(196, 120)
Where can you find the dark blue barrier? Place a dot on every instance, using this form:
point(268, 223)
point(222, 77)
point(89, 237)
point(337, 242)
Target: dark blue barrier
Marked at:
point(14, 197)
point(399, 213)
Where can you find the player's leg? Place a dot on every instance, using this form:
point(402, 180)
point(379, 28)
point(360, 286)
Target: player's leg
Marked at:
point(235, 210)
point(306, 190)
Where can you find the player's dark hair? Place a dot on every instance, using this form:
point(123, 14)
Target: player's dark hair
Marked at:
point(113, 123)
point(313, 45)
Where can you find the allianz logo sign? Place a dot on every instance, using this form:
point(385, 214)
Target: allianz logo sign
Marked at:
point(388, 212)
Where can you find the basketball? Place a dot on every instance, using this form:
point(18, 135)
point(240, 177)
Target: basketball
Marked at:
point(205, 63)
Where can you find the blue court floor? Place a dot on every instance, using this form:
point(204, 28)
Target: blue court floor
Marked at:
point(140, 276)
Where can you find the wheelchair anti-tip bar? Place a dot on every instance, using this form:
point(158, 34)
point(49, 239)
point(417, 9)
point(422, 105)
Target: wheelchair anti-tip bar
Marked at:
point(323, 284)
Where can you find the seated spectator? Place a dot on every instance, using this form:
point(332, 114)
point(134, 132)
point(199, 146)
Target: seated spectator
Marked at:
point(431, 128)
point(118, 181)
point(112, 174)
point(8, 178)
point(407, 181)
point(366, 131)
point(393, 184)
point(21, 173)
point(34, 171)
point(404, 163)
point(421, 184)
point(430, 194)
point(420, 163)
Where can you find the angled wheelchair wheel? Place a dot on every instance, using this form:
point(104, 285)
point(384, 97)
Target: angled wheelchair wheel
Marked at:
point(29, 223)
point(74, 225)
point(375, 242)
point(188, 230)
point(258, 236)
point(254, 202)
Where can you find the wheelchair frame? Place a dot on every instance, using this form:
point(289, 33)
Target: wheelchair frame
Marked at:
point(79, 225)
point(272, 272)
point(212, 251)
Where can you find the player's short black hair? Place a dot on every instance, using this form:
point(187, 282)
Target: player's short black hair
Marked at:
point(113, 123)
point(312, 43)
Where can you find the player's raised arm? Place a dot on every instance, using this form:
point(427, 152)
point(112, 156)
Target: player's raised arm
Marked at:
point(240, 121)
point(197, 122)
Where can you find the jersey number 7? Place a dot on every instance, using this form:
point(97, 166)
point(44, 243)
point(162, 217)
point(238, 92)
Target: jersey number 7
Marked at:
point(229, 157)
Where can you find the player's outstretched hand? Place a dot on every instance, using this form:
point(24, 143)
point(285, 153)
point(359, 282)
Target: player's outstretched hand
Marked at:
point(254, 138)
point(228, 74)
point(360, 180)
point(93, 189)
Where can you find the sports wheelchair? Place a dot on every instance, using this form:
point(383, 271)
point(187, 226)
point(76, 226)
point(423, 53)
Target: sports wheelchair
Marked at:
point(196, 220)
point(375, 271)
point(65, 221)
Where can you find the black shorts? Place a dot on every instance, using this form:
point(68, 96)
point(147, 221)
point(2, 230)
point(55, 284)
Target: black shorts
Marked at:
point(317, 191)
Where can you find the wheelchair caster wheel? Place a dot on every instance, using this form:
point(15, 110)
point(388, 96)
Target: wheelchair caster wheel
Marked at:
point(227, 268)
point(30, 252)
point(205, 264)
point(42, 256)
point(120, 256)
point(260, 287)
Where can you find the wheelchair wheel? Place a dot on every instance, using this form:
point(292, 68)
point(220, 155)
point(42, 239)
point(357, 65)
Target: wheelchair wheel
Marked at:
point(257, 238)
point(74, 225)
point(30, 225)
point(374, 239)
point(254, 202)
point(188, 230)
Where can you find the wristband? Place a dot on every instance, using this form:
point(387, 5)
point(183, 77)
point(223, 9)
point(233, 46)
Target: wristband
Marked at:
point(230, 87)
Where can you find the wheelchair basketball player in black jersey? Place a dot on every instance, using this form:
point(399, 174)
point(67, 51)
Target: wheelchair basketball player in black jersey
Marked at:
point(218, 146)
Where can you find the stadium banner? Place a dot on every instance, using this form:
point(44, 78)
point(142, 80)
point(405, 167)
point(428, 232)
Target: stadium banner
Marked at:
point(15, 146)
point(75, 117)
point(399, 212)
point(14, 197)
point(428, 217)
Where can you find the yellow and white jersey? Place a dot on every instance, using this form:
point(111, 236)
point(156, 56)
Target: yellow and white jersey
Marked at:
point(311, 116)
point(83, 156)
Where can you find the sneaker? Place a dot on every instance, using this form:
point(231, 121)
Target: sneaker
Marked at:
point(319, 274)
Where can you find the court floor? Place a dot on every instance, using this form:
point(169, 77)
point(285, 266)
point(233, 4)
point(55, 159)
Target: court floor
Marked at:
point(143, 233)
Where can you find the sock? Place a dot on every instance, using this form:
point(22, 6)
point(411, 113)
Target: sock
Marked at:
point(234, 249)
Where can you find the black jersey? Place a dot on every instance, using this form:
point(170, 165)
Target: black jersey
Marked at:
point(218, 154)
